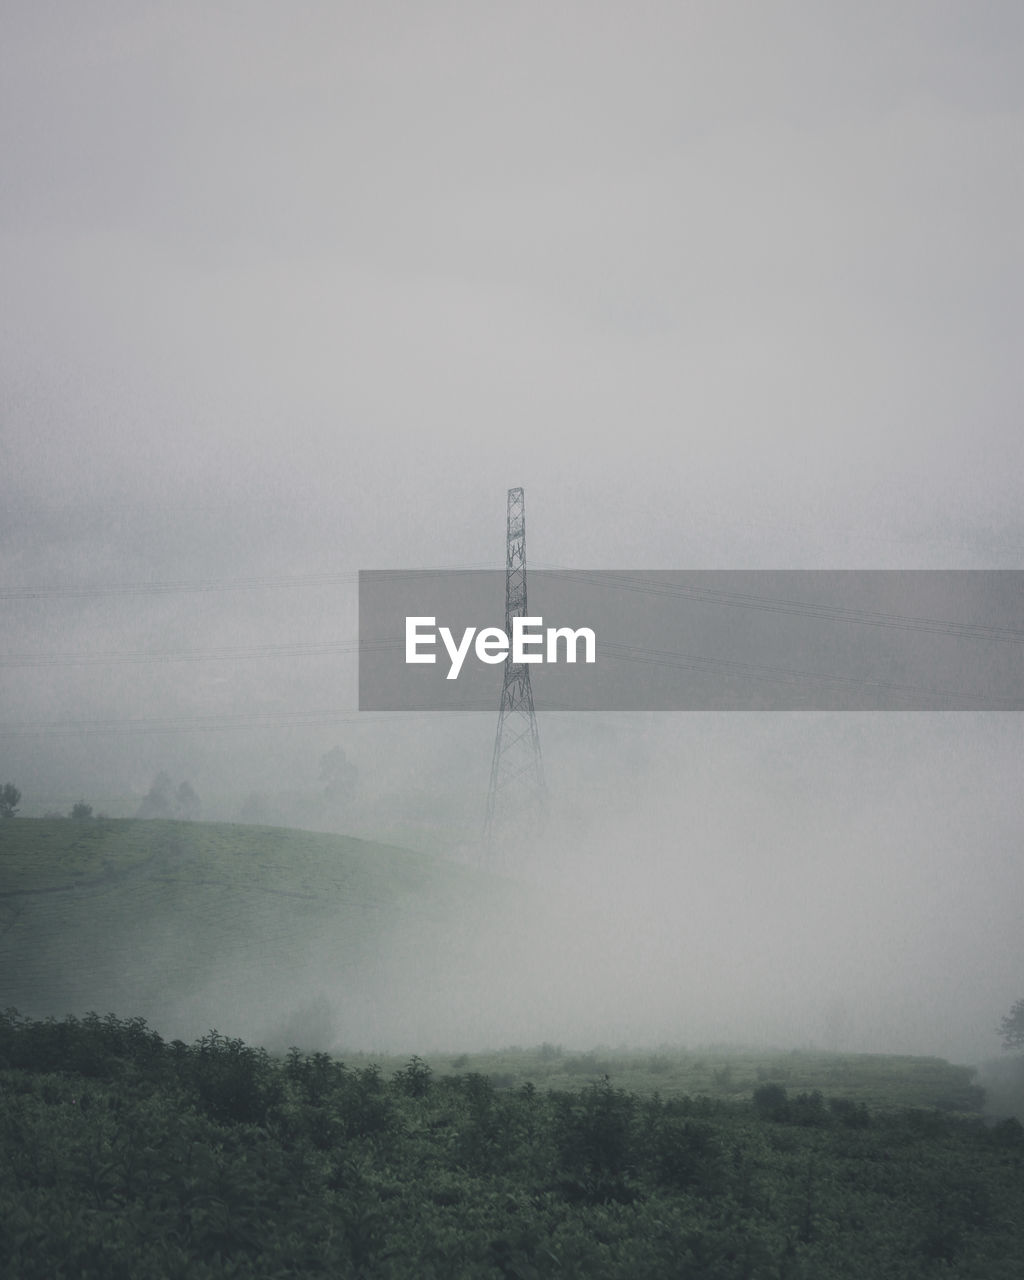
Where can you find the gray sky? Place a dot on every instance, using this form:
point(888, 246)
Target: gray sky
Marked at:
point(303, 289)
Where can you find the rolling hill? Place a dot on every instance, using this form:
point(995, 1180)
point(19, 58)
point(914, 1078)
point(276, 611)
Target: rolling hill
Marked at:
point(266, 932)
point(288, 937)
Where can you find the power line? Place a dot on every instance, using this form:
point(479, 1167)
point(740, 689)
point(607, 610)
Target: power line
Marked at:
point(222, 653)
point(614, 580)
point(799, 608)
point(175, 587)
point(266, 582)
point(314, 717)
point(619, 652)
point(619, 581)
point(209, 723)
point(795, 675)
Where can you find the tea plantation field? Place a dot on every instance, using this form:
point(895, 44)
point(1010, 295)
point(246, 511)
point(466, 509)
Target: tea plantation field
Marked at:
point(126, 1155)
point(130, 1148)
point(189, 924)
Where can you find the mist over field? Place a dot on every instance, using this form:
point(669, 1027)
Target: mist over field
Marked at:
point(850, 904)
point(302, 294)
point(844, 897)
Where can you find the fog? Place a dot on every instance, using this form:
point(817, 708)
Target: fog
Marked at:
point(840, 894)
point(294, 294)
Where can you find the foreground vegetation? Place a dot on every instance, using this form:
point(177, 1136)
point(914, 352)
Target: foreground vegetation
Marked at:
point(124, 1155)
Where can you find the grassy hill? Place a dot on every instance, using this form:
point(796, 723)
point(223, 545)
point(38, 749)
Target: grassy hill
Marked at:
point(268, 932)
point(291, 937)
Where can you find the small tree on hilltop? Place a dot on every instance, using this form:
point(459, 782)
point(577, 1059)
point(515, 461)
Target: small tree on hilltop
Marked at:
point(10, 798)
point(156, 803)
point(339, 776)
point(1012, 1027)
point(186, 802)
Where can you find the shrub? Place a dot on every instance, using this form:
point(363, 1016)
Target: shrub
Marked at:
point(771, 1101)
point(808, 1109)
point(685, 1154)
point(232, 1081)
point(317, 1076)
point(10, 798)
point(365, 1107)
point(1007, 1133)
point(414, 1078)
point(854, 1115)
point(593, 1133)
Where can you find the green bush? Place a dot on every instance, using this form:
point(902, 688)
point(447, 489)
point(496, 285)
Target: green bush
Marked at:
point(771, 1100)
point(684, 1154)
point(594, 1140)
point(414, 1078)
point(854, 1115)
point(125, 1155)
point(232, 1081)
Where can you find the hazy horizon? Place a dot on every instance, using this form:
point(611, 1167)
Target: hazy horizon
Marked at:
point(721, 286)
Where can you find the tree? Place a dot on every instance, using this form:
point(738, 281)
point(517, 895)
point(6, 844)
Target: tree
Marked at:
point(81, 811)
point(255, 811)
point(156, 803)
point(10, 798)
point(338, 774)
point(186, 802)
point(1012, 1027)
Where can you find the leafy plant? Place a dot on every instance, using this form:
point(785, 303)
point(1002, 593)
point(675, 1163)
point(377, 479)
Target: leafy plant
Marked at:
point(1012, 1027)
point(771, 1100)
point(595, 1141)
point(10, 798)
point(233, 1081)
point(414, 1078)
point(127, 1155)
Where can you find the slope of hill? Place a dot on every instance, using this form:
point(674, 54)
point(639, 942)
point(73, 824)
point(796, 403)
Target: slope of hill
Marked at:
point(287, 937)
point(266, 932)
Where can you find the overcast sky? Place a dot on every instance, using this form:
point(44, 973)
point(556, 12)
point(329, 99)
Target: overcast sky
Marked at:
point(298, 290)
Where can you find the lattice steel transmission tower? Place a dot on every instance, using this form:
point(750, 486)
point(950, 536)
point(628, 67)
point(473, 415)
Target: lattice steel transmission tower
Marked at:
point(516, 800)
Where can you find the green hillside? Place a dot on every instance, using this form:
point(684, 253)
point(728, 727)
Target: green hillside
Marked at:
point(288, 937)
point(261, 930)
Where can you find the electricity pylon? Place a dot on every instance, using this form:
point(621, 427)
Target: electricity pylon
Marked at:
point(516, 799)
